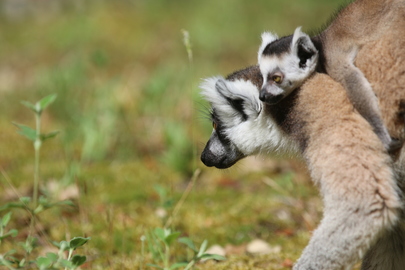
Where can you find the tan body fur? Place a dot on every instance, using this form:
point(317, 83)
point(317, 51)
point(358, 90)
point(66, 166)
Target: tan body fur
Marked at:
point(382, 63)
point(360, 23)
point(349, 163)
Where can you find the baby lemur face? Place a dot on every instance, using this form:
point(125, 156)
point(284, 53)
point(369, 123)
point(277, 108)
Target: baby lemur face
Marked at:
point(285, 64)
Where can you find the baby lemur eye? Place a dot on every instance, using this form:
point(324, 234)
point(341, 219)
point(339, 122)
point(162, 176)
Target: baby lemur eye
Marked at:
point(214, 125)
point(277, 78)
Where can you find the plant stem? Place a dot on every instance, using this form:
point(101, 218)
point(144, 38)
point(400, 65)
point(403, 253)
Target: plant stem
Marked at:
point(69, 256)
point(183, 197)
point(190, 265)
point(187, 44)
point(167, 256)
point(142, 252)
point(37, 147)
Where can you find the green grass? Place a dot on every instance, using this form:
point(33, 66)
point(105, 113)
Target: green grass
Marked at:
point(128, 110)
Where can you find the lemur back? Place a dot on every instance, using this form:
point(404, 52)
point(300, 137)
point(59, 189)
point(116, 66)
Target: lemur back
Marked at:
point(333, 51)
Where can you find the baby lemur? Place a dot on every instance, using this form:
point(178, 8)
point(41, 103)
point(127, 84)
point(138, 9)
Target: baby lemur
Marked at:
point(287, 62)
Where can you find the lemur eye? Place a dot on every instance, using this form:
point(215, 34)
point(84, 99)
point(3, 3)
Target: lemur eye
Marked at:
point(214, 125)
point(277, 78)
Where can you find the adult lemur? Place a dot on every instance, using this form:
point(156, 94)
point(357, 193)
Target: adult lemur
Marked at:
point(362, 187)
point(287, 62)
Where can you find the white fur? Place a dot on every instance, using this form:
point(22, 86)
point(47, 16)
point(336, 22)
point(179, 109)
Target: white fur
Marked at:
point(221, 105)
point(297, 34)
point(267, 38)
point(288, 64)
point(259, 133)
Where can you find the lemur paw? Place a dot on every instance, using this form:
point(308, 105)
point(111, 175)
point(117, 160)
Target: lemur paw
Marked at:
point(394, 145)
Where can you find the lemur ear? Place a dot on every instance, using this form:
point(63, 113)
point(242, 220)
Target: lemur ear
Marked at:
point(241, 95)
point(304, 48)
point(267, 38)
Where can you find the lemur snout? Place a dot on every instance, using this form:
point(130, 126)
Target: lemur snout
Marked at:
point(269, 98)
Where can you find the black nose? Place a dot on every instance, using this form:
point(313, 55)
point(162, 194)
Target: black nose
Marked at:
point(262, 95)
point(208, 158)
point(269, 98)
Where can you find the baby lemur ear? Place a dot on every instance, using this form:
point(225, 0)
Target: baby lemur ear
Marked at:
point(241, 95)
point(267, 38)
point(304, 48)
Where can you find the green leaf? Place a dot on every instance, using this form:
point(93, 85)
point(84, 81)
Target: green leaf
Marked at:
point(21, 263)
point(203, 248)
point(13, 205)
point(46, 101)
point(52, 256)
point(171, 237)
point(25, 200)
point(178, 265)
point(66, 263)
point(78, 242)
point(161, 191)
point(166, 235)
point(6, 219)
point(29, 244)
point(50, 135)
point(12, 233)
point(29, 105)
point(78, 260)
point(43, 262)
point(211, 257)
point(44, 204)
point(10, 252)
point(61, 245)
point(187, 241)
point(43, 200)
point(39, 209)
point(160, 233)
point(154, 265)
point(66, 202)
point(27, 131)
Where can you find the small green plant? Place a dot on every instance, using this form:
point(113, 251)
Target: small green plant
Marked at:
point(36, 136)
point(34, 206)
point(199, 253)
point(161, 241)
point(3, 223)
point(58, 261)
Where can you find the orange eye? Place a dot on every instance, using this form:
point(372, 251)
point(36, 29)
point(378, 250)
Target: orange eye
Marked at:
point(214, 125)
point(277, 78)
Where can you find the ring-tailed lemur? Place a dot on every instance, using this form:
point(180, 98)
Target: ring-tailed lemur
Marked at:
point(363, 216)
point(287, 62)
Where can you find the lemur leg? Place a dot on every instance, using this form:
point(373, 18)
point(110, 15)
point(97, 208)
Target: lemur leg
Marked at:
point(388, 253)
point(363, 97)
point(364, 100)
point(361, 202)
point(343, 237)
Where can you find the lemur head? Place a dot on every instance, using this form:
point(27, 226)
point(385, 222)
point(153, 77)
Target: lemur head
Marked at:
point(285, 63)
point(240, 126)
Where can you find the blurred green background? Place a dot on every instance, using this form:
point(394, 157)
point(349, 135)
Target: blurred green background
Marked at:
point(132, 123)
